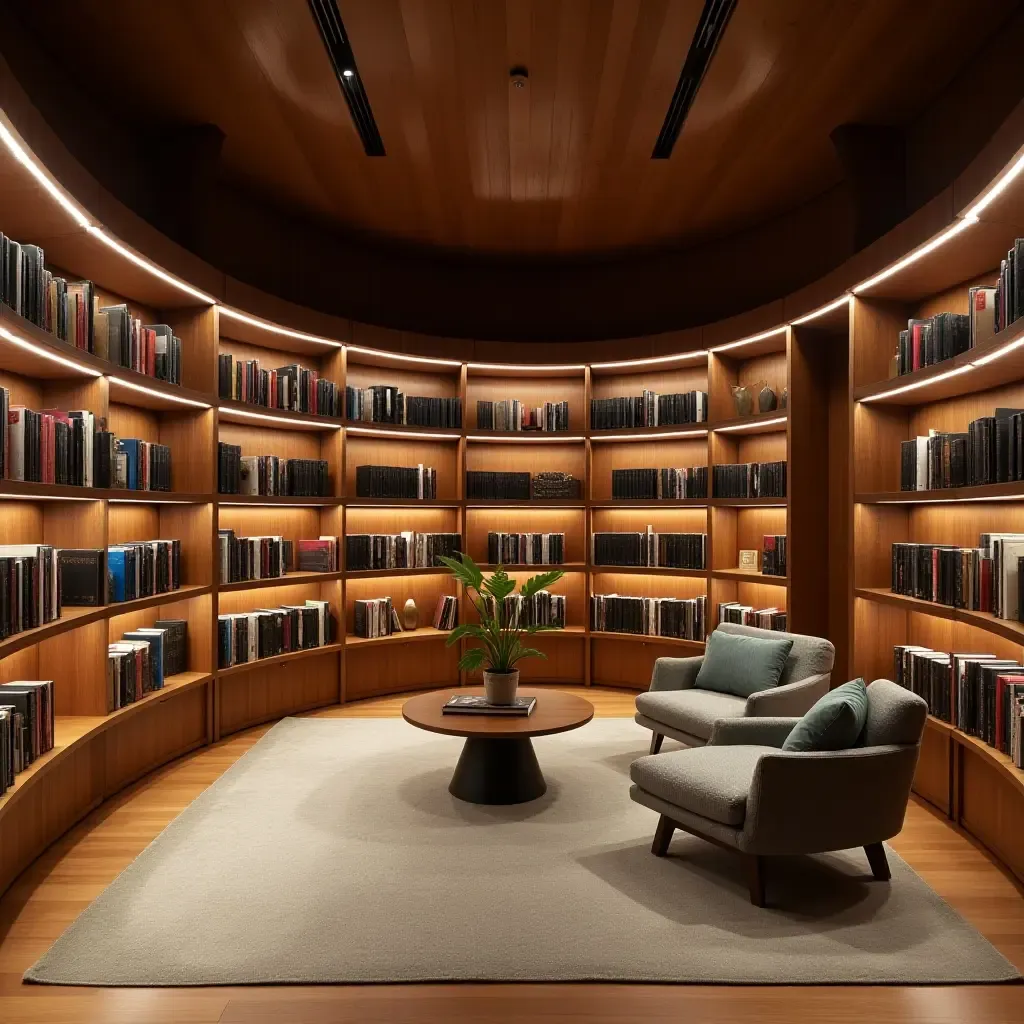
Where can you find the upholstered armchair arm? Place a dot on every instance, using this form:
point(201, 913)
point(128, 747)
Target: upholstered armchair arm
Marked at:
point(675, 673)
point(790, 699)
point(810, 802)
point(744, 732)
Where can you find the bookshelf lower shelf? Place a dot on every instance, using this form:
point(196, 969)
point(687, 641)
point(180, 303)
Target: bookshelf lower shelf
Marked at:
point(742, 576)
point(288, 579)
point(1004, 628)
point(406, 636)
point(278, 659)
point(72, 731)
point(693, 646)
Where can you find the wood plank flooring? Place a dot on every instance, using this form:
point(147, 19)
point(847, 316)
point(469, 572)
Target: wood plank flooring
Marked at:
point(77, 868)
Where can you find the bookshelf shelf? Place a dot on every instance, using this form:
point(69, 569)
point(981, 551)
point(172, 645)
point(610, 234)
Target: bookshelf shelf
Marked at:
point(279, 581)
point(693, 646)
point(276, 499)
point(1005, 628)
point(251, 414)
point(632, 434)
point(759, 423)
point(742, 576)
point(401, 503)
point(748, 502)
point(364, 429)
point(71, 618)
point(73, 731)
point(373, 574)
point(477, 436)
point(651, 570)
point(535, 568)
point(406, 636)
point(1012, 491)
point(279, 659)
point(999, 760)
point(954, 377)
point(127, 387)
point(137, 604)
point(652, 504)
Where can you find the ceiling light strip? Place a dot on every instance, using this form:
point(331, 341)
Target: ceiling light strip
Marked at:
point(822, 310)
point(996, 188)
point(752, 340)
point(402, 357)
point(913, 257)
point(526, 438)
point(118, 382)
point(757, 425)
point(651, 361)
point(529, 367)
point(281, 421)
point(266, 325)
point(654, 436)
point(39, 350)
point(400, 434)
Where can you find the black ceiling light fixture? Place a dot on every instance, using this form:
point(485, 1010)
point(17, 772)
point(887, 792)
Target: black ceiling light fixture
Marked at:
point(335, 40)
point(710, 29)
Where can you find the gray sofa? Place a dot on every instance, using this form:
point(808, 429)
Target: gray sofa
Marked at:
point(742, 792)
point(673, 707)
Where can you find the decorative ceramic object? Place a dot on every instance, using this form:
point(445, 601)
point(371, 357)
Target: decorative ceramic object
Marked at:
point(500, 687)
point(784, 398)
point(766, 400)
point(744, 399)
point(410, 615)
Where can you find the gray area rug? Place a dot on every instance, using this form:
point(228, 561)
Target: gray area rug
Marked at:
point(333, 852)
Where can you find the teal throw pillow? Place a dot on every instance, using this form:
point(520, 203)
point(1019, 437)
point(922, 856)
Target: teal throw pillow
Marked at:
point(742, 665)
point(835, 722)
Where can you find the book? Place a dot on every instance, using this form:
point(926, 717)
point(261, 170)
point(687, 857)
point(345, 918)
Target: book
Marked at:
point(511, 414)
point(30, 591)
point(269, 475)
point(408, 550)
point(748, 615)
point(682, 618)
point(525, 548)
point(773, 555)
point(418, 482)
point(649, 410)
point(446, 612)
point(469, 704)
point(749, 480)
point(319, 555)
point(381, 403)
point(675, 550)
point(142, 569)
point(83, 576)
point(660, 483)
point(293, 387)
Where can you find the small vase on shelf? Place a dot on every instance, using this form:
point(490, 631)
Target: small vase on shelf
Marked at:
point(410, 615)
point(766, 400)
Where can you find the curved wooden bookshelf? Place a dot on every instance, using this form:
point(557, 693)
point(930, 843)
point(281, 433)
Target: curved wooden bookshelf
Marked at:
point(201, 705)
point(1005, 628)
point(1012, 491)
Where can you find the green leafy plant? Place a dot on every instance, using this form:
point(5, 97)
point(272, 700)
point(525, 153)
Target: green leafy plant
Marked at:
point(502, 640)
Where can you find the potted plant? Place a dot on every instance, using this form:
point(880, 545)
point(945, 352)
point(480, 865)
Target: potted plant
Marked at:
point(498, 632)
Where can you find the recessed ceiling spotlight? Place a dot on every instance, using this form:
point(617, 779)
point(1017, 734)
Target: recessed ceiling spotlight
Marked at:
point(348, 73)
point(519, 76)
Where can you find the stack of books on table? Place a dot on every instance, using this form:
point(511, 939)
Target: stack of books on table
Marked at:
point(470, 704)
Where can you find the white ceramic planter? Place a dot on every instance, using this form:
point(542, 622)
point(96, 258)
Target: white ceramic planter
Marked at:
point(500, 687)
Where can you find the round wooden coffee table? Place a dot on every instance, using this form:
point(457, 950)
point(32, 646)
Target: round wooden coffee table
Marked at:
point(498, 764)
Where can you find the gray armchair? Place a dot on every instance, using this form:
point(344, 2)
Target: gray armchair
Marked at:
point(673, 707)
point(741, 791)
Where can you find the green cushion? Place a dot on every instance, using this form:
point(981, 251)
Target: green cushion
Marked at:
point(835, 722)
point(742, 665)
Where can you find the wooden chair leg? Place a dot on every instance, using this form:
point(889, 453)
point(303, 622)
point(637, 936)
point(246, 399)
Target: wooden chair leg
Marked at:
point(755, 878)
point(657, 739)
point(878, 862)
point(662, 836)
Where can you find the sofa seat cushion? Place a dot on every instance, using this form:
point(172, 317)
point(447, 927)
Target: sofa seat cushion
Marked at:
point(691, 711)
point(710, 781)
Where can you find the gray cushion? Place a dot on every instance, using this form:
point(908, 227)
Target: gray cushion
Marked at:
point(710, 781)
point(742, 665)
point(809, 656)
point(691, 711)
point(835, 721)
point(895, 715)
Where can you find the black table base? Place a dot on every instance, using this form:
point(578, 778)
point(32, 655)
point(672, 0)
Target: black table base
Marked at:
point(497, 771)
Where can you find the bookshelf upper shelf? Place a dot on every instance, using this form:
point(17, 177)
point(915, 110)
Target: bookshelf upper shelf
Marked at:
point(987, 366)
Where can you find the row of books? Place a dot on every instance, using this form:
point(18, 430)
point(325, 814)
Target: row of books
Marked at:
point(943, 336)
point(540, 609)
point(750, 480)
point(683, 618)
point(511, 414)
point(660, 483)
point(291, 387)
point(649, 410)
point(773, 554)
point(269, 475)
point(26, 726)
point(980, 694)
point(143, 569)
point(68, 311)
point(374, 617)
point(153, 349)
point(417, 481)
point(407, 550)
point(1009, 291)
point(30, 590)
point(991, 451)
point(446, 612)
point(675, 550)
point(244, 637)
point(988, 578)
point(525, 548)
point(143, 659)
point(255, 558)
point(748, 615)
point(381, 403)
point(517, 486)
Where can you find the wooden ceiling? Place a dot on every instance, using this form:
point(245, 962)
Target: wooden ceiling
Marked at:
point(560, 167)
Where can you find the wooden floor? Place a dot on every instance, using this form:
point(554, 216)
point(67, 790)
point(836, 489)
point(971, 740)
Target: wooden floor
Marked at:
point(73, 872)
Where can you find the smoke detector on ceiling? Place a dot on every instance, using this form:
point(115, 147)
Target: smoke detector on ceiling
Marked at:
point(518, 76)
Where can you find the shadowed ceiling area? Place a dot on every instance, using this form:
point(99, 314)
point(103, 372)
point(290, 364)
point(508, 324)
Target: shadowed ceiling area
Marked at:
point(562, 166)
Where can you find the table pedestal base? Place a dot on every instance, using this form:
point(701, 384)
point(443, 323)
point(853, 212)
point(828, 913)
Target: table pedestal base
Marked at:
point(497, 771)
